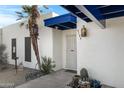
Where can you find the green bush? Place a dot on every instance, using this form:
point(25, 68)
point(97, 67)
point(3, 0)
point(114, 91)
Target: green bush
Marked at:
point(47, 65)
point(3, 55)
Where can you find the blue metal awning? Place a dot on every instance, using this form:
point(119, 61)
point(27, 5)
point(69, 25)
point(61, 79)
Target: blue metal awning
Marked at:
point(105, 11)
point(63, 22)
point(96, 13)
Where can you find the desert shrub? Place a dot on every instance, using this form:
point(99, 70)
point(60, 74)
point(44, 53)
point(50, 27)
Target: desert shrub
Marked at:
point(47, 65)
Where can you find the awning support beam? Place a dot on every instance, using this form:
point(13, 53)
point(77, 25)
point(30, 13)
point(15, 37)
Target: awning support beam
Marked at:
point(64, 26)
point(84, 10)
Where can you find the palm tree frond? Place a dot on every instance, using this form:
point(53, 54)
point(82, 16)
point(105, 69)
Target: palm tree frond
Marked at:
point(46, 6)
point(21, 15)
point(18, 19)
point(21, 24)
point(27, 9)
point(18, 12)
point(41, 11)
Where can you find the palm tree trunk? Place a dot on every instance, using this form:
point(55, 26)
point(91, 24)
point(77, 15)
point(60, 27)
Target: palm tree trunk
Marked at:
point(35, 47)
point(33, 28)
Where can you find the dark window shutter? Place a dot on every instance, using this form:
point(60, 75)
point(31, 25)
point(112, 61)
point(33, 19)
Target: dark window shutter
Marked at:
point(28, 49)
point(13, 51)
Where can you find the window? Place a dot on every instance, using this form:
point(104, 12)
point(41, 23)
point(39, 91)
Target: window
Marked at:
point(28, 49)
point(13, 48)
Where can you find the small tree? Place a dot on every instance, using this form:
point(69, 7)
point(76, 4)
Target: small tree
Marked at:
point(3, 55)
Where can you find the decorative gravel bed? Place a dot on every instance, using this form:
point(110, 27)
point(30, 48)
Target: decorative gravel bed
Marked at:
point(9, 77)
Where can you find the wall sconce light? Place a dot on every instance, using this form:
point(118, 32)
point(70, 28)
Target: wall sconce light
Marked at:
point(82, 32)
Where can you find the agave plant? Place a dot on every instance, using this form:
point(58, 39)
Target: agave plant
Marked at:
point(47, 65)
point(32, 14)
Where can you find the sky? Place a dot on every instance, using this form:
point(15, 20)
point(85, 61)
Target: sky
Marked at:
point(8, 15)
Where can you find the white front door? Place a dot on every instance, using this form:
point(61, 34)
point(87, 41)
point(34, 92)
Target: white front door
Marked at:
point(71, 53)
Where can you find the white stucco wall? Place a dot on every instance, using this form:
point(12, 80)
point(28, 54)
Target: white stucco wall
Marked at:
point(102, 52)
point(57, 48)
point(45, 42)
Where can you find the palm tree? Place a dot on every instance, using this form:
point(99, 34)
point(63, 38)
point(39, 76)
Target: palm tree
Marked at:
point(32, 13)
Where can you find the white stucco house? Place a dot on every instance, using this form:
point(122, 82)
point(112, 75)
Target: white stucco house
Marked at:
point(46, 42)
point(101, 51)
point(51, 43)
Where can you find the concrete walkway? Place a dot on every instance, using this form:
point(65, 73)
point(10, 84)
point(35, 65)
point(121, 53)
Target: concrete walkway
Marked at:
point(57, 79)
